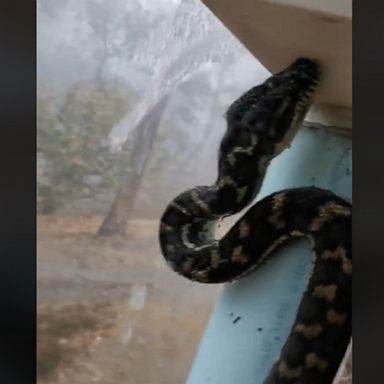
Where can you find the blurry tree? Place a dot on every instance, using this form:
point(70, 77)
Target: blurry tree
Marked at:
point(118, 30)
point(116, 221)
point(201, 91)
point(73, 140)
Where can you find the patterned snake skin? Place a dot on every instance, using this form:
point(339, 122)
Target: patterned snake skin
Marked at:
point(261, 124)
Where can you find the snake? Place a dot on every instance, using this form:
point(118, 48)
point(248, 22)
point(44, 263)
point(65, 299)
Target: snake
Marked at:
point(261, 124)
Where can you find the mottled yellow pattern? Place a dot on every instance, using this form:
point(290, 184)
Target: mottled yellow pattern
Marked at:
point(327, 212)
point(238, 256)
point(313, 361)
point(336, 318)
point(244, 229)
point(289, 373)
point(339, 254)
point(327, 292)
point(276, 217)
point(309, 331)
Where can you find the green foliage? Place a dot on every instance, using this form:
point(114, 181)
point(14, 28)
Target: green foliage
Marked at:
point(73, 141)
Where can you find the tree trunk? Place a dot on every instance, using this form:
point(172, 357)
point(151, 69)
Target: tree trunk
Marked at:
point(116, 221)
point(207, 131)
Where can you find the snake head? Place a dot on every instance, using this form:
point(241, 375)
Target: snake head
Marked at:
point(274, 111)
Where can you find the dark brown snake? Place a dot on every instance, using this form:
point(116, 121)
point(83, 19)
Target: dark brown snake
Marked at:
point(261, 124)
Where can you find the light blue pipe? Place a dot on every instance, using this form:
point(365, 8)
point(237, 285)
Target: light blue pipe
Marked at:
point(254, 316)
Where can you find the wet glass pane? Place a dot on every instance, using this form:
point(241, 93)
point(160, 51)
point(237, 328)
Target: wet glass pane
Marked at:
point(131, 98)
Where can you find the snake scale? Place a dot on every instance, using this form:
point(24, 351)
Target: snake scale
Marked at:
point(260, 125)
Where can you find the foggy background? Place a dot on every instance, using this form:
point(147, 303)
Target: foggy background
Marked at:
point(131, 102)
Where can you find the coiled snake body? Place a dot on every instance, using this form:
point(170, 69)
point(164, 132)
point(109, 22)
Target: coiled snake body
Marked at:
point(261, 124)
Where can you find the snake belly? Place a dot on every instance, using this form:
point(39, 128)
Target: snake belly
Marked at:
point(260, 125)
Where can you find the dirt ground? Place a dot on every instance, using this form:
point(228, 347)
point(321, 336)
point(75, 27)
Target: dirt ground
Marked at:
point(110, 311)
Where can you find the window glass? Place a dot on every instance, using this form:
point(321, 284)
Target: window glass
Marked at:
point(131, 101)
